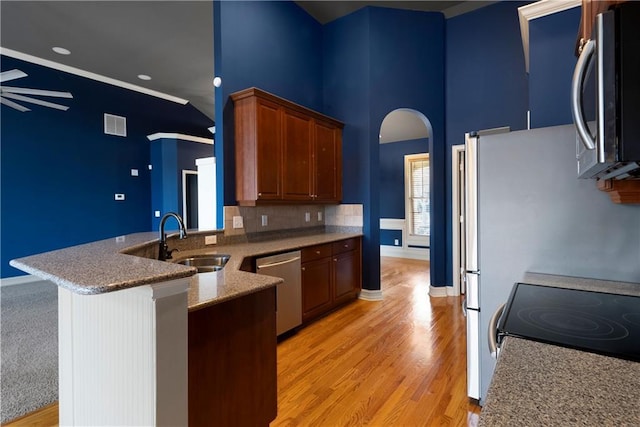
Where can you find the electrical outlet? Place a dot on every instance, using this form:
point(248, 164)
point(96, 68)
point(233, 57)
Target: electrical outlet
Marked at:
point(134, 172)
point(307, 216)
point(210, 240)
point(396, 242)
point(119, 196)
point(319, 216)
point(156, 214)
point(120, 239)
point(150, 167)
point(237, 222)
point(265, 220)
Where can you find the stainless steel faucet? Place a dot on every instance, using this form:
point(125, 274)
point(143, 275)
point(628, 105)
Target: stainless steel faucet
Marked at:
point(164, 253)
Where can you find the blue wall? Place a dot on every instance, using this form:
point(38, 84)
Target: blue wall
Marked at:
point(487, 84)
point(60, 171)
point(271, 45)
point(388, 237)
point(392, 200)
point(552, 42)
point(377, 60)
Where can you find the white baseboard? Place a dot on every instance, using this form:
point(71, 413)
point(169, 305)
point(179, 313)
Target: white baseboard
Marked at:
point(369, 295)
point(401, 252)
point(437, 291)
point(451, 291)
point(19, 280)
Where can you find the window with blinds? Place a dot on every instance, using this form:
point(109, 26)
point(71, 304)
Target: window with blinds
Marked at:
point(418, 208)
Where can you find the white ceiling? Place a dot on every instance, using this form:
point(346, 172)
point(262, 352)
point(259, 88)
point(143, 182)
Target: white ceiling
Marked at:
point(171, 41)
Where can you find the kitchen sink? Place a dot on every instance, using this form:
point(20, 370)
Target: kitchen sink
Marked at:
point(206, 263)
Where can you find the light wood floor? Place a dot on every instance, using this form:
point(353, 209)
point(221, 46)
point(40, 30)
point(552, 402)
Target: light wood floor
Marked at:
point(396, 362)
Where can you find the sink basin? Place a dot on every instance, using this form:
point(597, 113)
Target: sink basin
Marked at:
point(205, 263)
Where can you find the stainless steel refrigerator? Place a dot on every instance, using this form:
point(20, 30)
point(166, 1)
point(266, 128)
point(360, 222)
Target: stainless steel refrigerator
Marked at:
point(526, 210)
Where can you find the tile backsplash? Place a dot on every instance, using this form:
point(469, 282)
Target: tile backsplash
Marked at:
point(290, 217)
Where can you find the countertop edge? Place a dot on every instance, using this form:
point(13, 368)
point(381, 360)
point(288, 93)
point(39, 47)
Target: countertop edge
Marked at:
point(101, 267)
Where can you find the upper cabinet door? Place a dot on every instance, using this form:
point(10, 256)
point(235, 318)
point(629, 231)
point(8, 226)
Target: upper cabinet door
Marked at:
point(328, 162)
point(297, 152)
point(269, 151)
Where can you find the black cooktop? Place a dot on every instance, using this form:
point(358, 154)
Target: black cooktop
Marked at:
point(592, 321)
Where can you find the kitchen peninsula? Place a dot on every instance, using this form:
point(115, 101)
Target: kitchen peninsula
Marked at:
point(147, 342)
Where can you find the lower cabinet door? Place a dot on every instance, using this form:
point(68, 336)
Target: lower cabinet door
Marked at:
point(316, 288)
point(346, 267)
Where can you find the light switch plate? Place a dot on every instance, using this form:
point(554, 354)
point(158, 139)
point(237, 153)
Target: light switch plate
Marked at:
point(210, 240)
point(237, 222)
point(307, 216)
point(119, 196)
point(157, 214)
point(265, 220)
point(134, 172)
point(319, 216)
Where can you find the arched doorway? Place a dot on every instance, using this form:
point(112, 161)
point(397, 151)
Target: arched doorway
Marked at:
point(405, 182)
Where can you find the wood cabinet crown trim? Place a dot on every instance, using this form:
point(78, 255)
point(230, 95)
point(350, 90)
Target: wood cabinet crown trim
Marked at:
point(254, 91)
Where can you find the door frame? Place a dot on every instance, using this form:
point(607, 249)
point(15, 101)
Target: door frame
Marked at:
point(457, 216)
point(186, 172)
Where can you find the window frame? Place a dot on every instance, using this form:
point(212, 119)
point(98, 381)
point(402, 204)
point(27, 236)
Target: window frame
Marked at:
point(413, 239)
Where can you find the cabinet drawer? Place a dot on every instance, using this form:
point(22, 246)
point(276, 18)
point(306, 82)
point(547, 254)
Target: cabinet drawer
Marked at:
point(316, 252)
point(345, 245)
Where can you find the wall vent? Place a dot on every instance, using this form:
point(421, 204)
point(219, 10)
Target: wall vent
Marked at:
point(115, 125)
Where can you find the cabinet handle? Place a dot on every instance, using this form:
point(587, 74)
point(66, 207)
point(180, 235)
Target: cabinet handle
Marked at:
point(335, 260)
point(259, 194)
point(303, 269)
point(317, 252)
point(346, 246)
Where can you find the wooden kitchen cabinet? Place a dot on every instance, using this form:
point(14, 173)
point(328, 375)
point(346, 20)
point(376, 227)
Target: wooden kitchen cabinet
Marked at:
point(285, 153)
point(331, 276)
point(232, 362)
point(327, 173)
point(297, 151)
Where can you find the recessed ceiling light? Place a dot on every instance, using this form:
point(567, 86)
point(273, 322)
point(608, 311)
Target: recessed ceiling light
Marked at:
point(61, 50)
point(144, 77)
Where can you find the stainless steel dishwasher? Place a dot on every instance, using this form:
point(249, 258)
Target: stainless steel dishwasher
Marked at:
point(288, 293)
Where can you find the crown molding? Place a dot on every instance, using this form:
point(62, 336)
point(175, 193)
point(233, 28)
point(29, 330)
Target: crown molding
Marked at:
point(89, 75)
point(179, 136)
point(538, 10)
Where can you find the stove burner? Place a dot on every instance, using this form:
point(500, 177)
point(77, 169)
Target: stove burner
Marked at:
point(574, 324)
point(633, 318)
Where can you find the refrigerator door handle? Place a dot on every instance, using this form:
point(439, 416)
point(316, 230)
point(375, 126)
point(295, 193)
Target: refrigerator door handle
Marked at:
point(471, 202)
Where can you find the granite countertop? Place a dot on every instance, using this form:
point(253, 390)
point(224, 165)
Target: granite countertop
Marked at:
point(101, 267)
point(542, 384)
point(537, 384)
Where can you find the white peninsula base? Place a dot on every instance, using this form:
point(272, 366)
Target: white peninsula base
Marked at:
point(123, 356)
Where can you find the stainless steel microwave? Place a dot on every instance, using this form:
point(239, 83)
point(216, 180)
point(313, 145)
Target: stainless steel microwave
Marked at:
point(609, 147)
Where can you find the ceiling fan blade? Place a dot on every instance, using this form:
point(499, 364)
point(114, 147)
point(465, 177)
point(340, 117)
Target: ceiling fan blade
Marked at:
point(27, 91)
point(13, 105)
point(5, 76)
point(35, 101)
